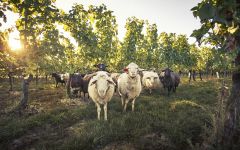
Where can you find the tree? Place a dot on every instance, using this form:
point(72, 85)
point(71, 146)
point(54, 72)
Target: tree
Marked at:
point(220, 27)
point(133, 41)
point(78, 24)
point(7, 61)
point(151, 39)
point(36, 17)
point(105, 29)
point(4, 6)
point(185, 55)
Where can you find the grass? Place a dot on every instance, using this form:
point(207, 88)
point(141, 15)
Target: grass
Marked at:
point(52, 121)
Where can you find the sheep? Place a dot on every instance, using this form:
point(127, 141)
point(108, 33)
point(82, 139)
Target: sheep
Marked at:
point(101, 89)
point(150, 80)
point(101, 67)
point(129, 85)
point(65, 77)
point(58, 79)
point(85, 84)
point(74, 84)
point(161, 77)
point(177, 80)
point(170, 80)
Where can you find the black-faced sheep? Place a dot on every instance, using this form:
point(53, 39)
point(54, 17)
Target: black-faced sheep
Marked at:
point(101, 67)
point(169, 79)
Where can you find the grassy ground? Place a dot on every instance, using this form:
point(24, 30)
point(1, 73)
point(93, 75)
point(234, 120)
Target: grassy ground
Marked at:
point(52, 121)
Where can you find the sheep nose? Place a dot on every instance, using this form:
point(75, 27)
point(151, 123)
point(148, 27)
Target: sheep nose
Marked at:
point(101, 93)
point(133, 73)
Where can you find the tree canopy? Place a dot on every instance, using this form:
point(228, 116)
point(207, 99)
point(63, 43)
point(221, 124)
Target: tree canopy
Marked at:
point(95, 31)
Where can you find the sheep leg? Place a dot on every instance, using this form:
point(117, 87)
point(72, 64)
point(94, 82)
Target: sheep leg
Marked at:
point(122, 101)
point(125, 105)
point(174, 89)
point(169, 89)
point(84, 96)
point(98, 110)
point(105, 111)
point(133, 103)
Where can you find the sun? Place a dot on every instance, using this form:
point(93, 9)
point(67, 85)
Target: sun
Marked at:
point(14, 44)
point(14, 41)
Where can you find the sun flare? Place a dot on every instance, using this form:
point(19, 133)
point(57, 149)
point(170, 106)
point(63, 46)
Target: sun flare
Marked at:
point(14, 44)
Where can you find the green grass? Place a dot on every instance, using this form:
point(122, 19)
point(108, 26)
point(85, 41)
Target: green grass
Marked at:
point(183, 119)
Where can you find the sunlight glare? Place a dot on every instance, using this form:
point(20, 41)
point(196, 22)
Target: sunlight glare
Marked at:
point(14, 40)
point(14, 44)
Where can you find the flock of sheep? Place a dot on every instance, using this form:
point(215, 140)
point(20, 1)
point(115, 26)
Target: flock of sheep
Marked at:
point(101, 85)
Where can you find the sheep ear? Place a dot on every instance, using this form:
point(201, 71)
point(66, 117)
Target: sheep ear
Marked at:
point(94, 82)
point(89, 76)
point(125, 70)
point(111, 82)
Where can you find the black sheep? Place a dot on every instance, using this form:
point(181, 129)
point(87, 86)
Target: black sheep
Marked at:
point(101, 67)
point(74, 84)
point(58, 79)
point(170, 80)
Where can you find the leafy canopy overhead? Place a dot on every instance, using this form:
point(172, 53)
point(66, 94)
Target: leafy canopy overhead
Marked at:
point(220, 21)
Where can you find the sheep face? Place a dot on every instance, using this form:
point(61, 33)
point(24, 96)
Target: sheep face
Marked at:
point(132, 69)
point(102, 84)
point(167, 72)
point(151, 80)
point(101, 67)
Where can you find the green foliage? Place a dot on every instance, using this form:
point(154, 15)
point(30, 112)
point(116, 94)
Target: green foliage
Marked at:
point(133, 40)
point(36, 18)
point(206, 11)
point(176, 52)
point(152, 47)
point(220, 22)
point(3, 8)
point(95, 31)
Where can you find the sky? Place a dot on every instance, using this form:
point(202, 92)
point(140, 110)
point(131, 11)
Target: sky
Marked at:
point(171, 16)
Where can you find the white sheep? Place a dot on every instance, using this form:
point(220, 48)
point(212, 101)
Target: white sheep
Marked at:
point(129, 85)
point(101, 89)
point(150, 80)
